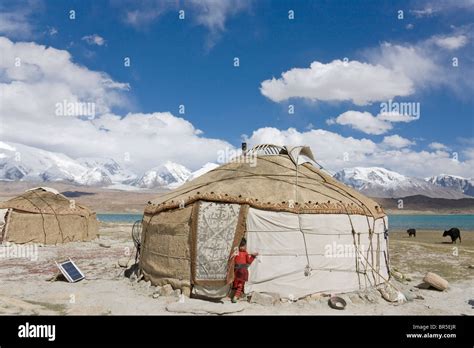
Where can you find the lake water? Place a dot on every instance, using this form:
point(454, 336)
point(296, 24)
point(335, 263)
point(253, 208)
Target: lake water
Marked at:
point(395, 222)
point(431, 222)
point(123, 218)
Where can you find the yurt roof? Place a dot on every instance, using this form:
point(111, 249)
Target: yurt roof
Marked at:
point(44, 200)
point(271, 184)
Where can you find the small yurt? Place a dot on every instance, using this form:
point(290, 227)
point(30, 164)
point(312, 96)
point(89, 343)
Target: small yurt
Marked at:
point(43, 215)
point(312, 233)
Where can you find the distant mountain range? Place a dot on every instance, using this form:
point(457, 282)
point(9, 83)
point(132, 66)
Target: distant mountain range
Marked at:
point(25, 163)
point(168, 175)
point(457, 183)
point(384, 183)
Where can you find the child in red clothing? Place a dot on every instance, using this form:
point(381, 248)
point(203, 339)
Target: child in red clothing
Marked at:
point(241, 273)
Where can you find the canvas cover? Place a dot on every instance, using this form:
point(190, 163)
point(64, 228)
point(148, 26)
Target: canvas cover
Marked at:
point(165, 256)
point(193, 246)
point(42, 216)
point(325, 242)
point(25, 227)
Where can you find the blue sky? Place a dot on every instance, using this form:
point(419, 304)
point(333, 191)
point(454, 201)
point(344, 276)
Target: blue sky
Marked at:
point(191, 62)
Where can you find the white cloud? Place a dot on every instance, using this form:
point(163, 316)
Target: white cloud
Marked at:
point(212, 14)
point(438, 7)
point(391, 70)
point(450, 42)
point(362, 121)
point(354, 81)
point(52, 31)
point(94, 39)
point(15, 18)
point(425, 12)
point(427, 65)
point(48, 76)
point(369, 124)
point(335, 152)
point(141, 13)
point(438, 146)
point(416, 62)
point(14, 24)
point(397, 142)
point(469, 154)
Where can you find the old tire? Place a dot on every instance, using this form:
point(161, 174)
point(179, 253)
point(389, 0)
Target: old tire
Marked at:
point(436, 281)
point(337, 303)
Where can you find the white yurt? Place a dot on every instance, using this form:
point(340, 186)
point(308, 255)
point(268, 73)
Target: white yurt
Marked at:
point(312, 233)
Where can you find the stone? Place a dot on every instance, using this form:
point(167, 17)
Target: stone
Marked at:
point(470, 266)
point(355, 299)
point(370, 296)
point(176, 293)
point(390, 294)
point(276, 297)
point(166, 290)
point(409, 296)
point(264, 299)
point(105, 244)
point(155, 295)
point(316, 297)
point(397, 275)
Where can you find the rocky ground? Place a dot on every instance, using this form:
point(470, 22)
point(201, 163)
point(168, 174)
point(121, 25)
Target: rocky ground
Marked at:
point(27, 285)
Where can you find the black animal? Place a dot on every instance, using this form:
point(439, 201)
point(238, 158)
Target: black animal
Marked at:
point(454, 233)
point(411, 232)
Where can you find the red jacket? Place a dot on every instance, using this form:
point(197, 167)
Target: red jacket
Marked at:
point(244, 258)
point(241, 274)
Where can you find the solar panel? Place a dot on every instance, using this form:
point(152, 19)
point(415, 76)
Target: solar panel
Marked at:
point(70, 271)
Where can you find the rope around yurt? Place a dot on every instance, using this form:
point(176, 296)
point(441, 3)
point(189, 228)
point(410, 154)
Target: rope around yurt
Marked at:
point(40, 211)
point(377, 271)
point(307, 270)
point(55, 216)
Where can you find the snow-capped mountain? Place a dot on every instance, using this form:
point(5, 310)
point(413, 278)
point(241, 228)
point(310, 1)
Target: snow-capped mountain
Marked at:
point(381, 182)
point(108, 167)
point(168, 175)
point(458, 183)
point(203, 170)
point(21, 162)
point(95, 177)
point(26, 163)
